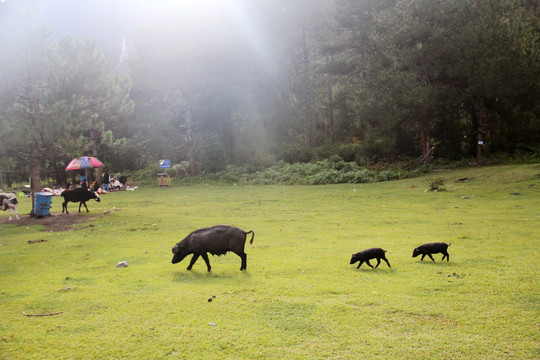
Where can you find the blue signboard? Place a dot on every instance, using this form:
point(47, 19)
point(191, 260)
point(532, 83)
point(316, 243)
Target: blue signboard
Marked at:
point(164, 164)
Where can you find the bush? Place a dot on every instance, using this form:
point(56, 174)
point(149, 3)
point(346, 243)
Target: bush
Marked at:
point(334, 170)
point(436, 184)
point(146, 176)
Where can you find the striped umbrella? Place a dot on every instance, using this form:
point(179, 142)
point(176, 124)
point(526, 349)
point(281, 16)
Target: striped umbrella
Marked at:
point(84, 162)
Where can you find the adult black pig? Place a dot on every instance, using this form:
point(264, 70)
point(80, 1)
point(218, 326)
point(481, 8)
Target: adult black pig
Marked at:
point(366, 255)
point(216, 240)
point(432, 248)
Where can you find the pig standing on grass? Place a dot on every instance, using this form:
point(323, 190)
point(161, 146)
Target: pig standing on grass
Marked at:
point(216, 240)
point(432, 248)
point(366, 255)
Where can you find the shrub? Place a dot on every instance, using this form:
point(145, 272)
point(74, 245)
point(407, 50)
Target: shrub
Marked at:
point(334, 170)
point(364, 176)
point(436, 184)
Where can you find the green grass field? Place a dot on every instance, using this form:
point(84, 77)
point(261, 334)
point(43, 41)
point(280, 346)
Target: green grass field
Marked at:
point(299, 298)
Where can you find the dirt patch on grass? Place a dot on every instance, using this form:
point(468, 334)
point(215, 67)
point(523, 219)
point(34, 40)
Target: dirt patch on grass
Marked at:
point(54, 222)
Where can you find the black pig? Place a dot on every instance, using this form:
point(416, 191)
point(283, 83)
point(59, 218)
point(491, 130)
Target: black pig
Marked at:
point(366, 255)
point(432, 248)
point(216, 240)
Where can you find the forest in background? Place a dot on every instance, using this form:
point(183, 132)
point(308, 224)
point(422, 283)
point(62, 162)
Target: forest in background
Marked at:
point(369, 81)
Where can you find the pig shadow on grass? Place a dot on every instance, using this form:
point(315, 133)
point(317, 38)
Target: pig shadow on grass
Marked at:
point(196, 276)
point(437, 263)
point(374, 272)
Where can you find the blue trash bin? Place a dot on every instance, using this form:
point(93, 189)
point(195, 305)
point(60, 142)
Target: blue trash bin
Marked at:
point(42, 203)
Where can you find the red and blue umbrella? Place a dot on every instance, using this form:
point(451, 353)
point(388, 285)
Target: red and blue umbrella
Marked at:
point(84, 162)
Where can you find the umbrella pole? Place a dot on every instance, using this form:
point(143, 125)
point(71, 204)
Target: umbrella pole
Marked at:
point(87, 173)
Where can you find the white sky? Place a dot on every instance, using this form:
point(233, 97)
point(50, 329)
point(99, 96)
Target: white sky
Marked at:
point(107, 20)
point(216, 24)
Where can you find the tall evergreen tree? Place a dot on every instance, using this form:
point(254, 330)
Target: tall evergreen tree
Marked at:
point(53, 94)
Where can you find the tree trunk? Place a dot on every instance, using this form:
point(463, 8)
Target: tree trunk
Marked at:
point(480, 117)
point(332, 119)
point(60, 175)
point(307, 85)
point(35, 153)
point(191, 143)
point(95, 136)
point(423, 130)
point(189, 136)
point(88, 173)
point(35, 180)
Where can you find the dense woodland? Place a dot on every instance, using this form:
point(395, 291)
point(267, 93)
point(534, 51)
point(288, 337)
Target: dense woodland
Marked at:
point(298, 81)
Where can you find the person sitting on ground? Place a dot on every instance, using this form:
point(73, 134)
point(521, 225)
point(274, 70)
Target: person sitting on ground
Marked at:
point(115, 185)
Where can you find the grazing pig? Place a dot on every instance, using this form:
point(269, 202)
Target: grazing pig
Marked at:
point(80, 195)
point(432, 248)
point(366, 255)
point(216, 240)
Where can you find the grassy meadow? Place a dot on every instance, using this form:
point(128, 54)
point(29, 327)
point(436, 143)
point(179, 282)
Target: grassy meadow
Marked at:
point(299, 298)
